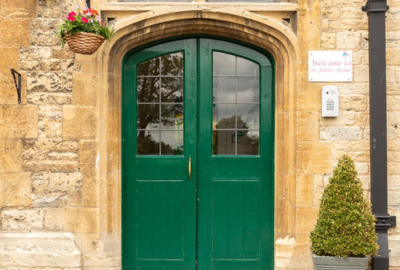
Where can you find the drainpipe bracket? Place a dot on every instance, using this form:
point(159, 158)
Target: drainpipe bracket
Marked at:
point(385, 221)
point(375, 6)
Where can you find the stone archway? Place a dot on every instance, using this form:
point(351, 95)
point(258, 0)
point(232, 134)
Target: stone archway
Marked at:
point(137, 31)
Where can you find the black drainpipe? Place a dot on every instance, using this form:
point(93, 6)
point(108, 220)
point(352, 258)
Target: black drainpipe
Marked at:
point(376, 10)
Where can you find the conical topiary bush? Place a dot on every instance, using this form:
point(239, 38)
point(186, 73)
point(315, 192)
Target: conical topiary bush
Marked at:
point(345, 225)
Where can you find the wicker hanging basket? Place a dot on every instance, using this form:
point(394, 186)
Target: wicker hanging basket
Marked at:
point(84, 43)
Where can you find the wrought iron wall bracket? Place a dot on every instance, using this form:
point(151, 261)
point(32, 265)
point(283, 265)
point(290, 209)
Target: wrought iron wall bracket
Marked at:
point(17, 85)
point(385, 221)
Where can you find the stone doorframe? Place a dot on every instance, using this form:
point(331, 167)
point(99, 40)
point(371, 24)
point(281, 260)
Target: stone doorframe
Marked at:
point(145, 28)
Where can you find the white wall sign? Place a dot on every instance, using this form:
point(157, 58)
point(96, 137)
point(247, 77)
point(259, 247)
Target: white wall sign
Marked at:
point(330, 66)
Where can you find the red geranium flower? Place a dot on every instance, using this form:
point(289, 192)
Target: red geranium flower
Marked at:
point(84, 20)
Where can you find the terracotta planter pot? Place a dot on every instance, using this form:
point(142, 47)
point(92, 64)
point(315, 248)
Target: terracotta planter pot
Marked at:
point(339, 263)
point(84, 43)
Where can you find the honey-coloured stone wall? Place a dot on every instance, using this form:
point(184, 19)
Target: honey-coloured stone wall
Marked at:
point(60, 149)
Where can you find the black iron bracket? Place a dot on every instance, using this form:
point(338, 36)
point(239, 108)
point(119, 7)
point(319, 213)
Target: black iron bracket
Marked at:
point(17, 85)
point(385, 221)
point(88, 3)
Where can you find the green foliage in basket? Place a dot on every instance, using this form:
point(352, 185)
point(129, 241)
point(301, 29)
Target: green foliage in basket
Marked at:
point(88, 21)
point(345, 225)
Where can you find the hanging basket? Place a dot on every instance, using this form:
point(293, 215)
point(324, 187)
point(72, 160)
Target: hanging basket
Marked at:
point(84, 43)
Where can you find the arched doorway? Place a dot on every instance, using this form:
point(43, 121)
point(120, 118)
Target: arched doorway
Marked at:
point(198, 157)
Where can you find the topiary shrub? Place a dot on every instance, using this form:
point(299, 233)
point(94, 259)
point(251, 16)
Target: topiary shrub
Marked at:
point(345, 225)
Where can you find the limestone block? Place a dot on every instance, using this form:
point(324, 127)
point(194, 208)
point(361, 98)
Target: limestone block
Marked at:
point(365, 181)
point(44, 38)
point(353, 103)
point(394, 254)
point(394, 156)
point(85, 89)
point(307, 126)
point(49, 98)
point(306, 218)
point(9, 58)
point(318, 188)
point(45, 82)
point(361, 73)
point(304, 190)
point(50, 65)
point(88, 156)
point(314, 157)
point(10, 161)
point(20, 220)
point(17, 189)
point(390, 74)
point(328, 41)
point(344, 119)
point(50, 122)
point(62, 53)
point(284, 251)
point(35, 53)
point(55, 250)
point(394, 198)
point(362, 168)
point(75, 197)
point(65, 181)
point(325, 24)
point(30, 65)
point(8, 93)
point(348, 40)
point(397, 74)
point(394, 182)
point(362, 118)
point(357, 156)
point(393, 118)
point(49, 12)
point(55, 189)
point(91, 189)
point(351, 146)
point(393, 102)
point(80, 122)
point(18, 36)
point(360, 57)
point(18, 8)
point(346, 24)
point(341, 133)
point(50, 155)
point(45, 23)
point(68, 65)
point(330, 12)
point(393, 168)
point(354, 88)
point(18, 122)
point(393, 56)
point(53, 219)
point(88, 221)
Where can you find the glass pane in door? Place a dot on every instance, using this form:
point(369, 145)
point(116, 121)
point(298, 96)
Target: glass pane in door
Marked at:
point(160, 105)
point(236, 107)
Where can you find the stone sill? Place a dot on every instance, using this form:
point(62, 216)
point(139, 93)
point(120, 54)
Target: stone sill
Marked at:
point(145, 6)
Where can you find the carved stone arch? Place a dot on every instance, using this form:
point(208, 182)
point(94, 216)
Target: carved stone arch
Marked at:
point(254, 30)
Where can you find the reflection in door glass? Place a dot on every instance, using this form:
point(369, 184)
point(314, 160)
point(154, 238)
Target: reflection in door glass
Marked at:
point(160, 105)
point(236, 108)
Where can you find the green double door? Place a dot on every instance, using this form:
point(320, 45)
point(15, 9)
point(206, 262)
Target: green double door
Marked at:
point(198, 149)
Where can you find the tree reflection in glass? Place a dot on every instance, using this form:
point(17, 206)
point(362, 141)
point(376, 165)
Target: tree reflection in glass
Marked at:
point(236, 111)
point(160, 105)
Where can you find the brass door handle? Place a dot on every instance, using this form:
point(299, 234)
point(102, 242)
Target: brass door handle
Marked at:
point(190, 169)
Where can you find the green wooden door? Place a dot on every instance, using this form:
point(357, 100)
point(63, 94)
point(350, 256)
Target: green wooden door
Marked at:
point(204, 106)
